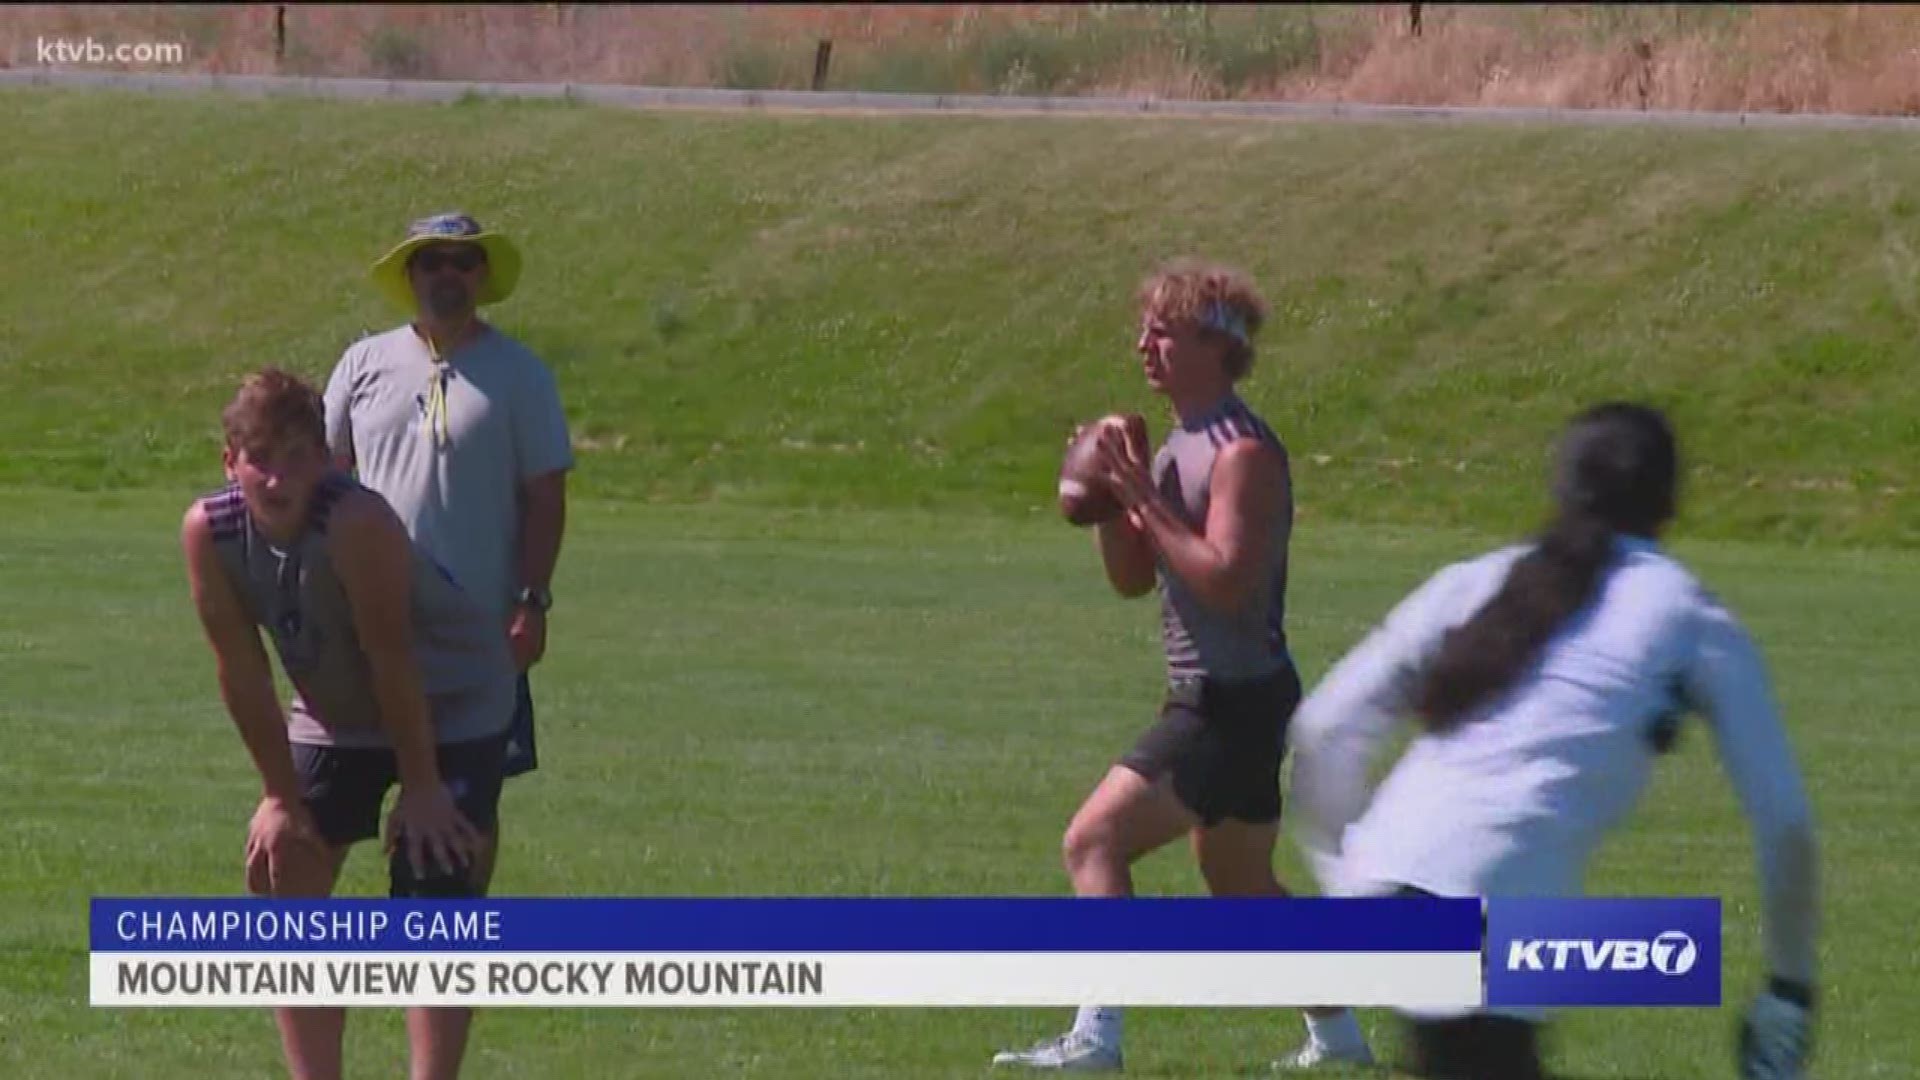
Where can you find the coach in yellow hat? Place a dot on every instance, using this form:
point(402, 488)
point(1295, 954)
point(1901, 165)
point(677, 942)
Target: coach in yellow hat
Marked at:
point(445, 234)
point(459, 427)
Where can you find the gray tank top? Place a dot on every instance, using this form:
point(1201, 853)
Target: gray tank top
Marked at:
point(465, 666)
point(1248, 644)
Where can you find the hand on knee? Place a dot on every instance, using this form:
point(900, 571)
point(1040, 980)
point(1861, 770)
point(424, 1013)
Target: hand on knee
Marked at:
point(284, 866)
point(259, 873)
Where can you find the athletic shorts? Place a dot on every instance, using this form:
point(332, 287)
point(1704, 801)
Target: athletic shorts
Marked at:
point(1221, 743)
point(521, 757)
point(344, 788)
point(1474, 1046)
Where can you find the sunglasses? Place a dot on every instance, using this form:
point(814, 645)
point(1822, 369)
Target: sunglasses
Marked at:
point(465, 260)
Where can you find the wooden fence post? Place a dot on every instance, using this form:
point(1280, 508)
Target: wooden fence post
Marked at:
point(822, 55)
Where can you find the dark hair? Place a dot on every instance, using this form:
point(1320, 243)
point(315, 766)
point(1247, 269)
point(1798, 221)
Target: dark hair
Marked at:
point(271, 403)
point(1616, 472)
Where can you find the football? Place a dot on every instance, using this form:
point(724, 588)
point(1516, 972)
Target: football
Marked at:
point(1085, 497)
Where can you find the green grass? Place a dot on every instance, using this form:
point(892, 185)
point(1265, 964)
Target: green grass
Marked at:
point(820, 634)
point(908, 312)
point(860, 703)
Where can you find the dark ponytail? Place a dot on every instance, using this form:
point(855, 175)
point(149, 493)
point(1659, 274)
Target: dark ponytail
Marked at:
point(1616, 473)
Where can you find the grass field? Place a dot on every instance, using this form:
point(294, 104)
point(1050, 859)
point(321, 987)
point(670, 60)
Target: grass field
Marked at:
point(885, 311)
point(819, 633)
point(858, 703)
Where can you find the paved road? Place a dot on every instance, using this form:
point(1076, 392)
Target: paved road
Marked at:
point(847, 101)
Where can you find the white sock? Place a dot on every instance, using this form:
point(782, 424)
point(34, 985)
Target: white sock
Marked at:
point(1100, 1022)
point(1339, 1033)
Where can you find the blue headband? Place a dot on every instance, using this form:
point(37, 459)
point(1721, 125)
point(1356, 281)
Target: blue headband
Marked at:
point(1227, 321)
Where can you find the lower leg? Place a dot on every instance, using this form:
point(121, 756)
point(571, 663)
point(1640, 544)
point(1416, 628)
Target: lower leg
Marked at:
point(438, 1041)
point(1236, 858)
point(1126, 817)
point(311, 1038)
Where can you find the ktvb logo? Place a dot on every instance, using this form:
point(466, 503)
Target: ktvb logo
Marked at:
point(1671, 952)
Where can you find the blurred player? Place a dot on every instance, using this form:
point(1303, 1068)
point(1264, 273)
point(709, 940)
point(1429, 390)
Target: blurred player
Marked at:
point(1210, 524)
point(398, 675)
point(1545, 677)
point(459, 428)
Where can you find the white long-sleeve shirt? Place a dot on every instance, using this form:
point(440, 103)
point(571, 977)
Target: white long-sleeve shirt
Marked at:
point(1513, 800)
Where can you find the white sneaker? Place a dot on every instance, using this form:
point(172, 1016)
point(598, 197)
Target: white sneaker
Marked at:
point(1072, 1052)
point(1316, 1053)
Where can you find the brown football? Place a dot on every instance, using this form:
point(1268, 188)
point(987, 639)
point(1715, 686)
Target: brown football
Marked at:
point(1085, 497)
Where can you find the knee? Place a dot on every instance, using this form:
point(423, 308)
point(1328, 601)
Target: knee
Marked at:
point(288, 867)
point(259, 873)
point(1088, 843)
point(404, 882)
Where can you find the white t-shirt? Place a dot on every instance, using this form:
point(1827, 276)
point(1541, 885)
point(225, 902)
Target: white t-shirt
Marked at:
point(460, 501)
point(1514, 799)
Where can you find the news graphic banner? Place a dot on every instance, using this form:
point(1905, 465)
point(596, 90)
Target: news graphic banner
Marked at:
point(1603, 951)
point(785, 952)
point(1422, 954)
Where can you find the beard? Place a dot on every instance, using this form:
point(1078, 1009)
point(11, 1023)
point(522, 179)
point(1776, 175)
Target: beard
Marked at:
point(448, 298)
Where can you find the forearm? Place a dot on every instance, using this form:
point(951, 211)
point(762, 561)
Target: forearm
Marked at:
point(543, 522)
point(1731, 684)
point(1326, 797)
point(1125, 556)
point(407, 721)
point(1189, 556)
point(1790, 901)
point(1334, 737)
point(1332, 751)
point(263, 729)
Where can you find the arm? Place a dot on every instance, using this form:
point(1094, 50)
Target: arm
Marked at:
point(374, 561)
point(1337, 731)
point(1126, 556)
point(1225, 564)
point(1125, 553)
point(543, 518)
point(544, 453)
point(543, 522)
point(1727, 680)
point(339, 412)
point(246, 678)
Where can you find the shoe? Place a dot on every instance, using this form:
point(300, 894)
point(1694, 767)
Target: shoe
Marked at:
point(1315, 1054)
point(1072, 1052)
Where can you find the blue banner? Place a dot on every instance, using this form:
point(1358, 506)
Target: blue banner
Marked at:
point(787, 925)
point(1603, 951)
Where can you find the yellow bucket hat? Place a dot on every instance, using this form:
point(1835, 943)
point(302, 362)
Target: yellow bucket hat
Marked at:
point(503, 259)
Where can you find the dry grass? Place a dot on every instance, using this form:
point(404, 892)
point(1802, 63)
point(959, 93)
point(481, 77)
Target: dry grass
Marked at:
point(1846, 58)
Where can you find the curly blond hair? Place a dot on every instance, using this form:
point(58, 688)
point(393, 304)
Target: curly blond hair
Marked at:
point(1218, 299)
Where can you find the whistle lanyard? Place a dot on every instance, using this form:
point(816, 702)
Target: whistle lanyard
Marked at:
point(436, 408)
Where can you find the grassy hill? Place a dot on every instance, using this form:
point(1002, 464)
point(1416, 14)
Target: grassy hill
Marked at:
point(890, 311)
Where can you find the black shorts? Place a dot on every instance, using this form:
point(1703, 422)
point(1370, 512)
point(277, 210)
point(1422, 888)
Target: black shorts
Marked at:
point(1221, 744)
point(521, 757)
point(1472, 1047)
point(345, 786)
point(1475, 1048)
